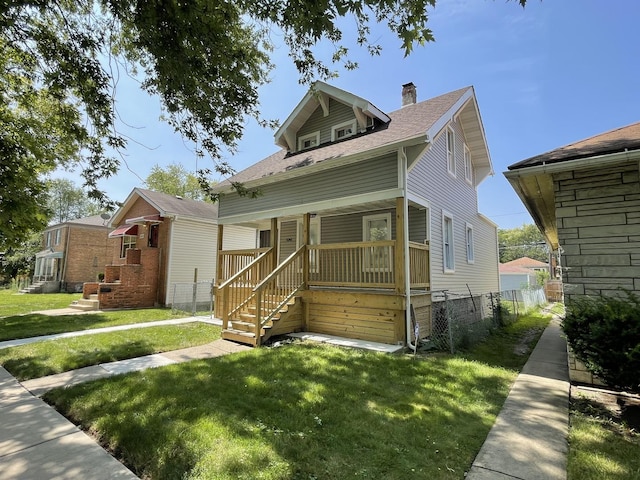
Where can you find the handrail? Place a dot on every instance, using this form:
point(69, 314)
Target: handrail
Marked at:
point(275, 290)
point(241, 272)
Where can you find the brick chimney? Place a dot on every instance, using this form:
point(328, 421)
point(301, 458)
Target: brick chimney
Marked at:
point(409, 95)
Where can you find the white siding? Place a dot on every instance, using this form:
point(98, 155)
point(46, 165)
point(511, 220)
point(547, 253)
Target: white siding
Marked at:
point(238, 238)
point(430, 180)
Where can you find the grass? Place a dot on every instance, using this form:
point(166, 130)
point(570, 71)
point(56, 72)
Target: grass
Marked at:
point(46, 358)
point(33, 325)
point(13, 303)
point(600, 445)
point(303, 411)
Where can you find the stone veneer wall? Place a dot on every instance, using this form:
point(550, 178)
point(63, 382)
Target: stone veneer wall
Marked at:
point(598, 216)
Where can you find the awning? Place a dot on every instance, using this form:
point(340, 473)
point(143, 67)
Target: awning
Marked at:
point(49, 254)
point(144, 219)
point(123, 230)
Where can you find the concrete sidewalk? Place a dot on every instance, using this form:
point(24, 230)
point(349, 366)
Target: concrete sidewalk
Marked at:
point(529, 438)
point(36, 442)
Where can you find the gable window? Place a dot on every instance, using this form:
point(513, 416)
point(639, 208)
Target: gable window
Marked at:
point(469, 240)
point(377, 228)
point(448, 260)
point(468, 171)
point(309, 141)
point(343, 130)
point(127, 242)
point(451, 157)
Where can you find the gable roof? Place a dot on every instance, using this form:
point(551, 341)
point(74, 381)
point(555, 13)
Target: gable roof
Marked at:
point(410, 125)
point(92, 221)
point(318, 95)
point(526, 262)
point(532, 179)
point(168, 206)
point(618, 140)
point(505, 269)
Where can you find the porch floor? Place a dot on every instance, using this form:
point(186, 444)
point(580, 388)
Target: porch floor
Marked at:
point(348, 342)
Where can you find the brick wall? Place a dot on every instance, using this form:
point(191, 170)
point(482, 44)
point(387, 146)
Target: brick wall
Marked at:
point(598, 215)
point(87, 253)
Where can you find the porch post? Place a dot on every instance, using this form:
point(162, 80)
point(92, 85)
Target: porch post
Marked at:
point(306, 220)
point(275, 236)
point(399, 261)
point(218, 278)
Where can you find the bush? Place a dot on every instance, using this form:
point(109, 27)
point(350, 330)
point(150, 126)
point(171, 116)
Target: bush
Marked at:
point(604, 333)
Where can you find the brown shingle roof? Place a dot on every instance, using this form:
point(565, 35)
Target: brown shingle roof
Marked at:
point(406, 123)
point(170, 204)
point(614, 141)
point(526, 262)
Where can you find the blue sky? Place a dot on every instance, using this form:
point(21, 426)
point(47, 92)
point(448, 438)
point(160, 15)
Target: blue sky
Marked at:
point(553, 73)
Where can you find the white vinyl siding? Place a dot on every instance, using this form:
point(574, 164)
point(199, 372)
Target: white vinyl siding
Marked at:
point(448, 243)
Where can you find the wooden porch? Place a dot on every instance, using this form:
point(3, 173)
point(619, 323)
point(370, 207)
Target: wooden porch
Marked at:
point(355, 290)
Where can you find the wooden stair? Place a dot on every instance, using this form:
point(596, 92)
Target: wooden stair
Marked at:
point(242, 328)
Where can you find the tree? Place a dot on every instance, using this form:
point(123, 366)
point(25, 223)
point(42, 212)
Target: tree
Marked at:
point(68, 202)
point(525, 241)
point(174, 180)
point(60, 61)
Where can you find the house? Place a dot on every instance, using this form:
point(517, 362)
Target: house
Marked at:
point(161, 240)
point(360, 215)
point(529, 263)
point(585, 199)
point(73, 252)
point(514, 277)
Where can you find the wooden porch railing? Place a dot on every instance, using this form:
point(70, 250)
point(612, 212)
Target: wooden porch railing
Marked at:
point(275, 291)
point(236, 293)
point(355, 264)
point(232, 261)
point(419, 273)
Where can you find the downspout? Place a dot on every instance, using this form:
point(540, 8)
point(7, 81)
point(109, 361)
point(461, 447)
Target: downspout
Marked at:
point(402, 160)
point(66, 255)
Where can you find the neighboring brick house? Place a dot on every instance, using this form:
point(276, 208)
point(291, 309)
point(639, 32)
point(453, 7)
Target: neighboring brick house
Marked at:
point(160, 240)
point(73, 252)
point(585, 199)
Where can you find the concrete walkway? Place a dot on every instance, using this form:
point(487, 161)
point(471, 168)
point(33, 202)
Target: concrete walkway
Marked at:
point(529, 438)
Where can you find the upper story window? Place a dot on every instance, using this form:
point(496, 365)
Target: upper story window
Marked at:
point(47, 239)
point(451, 157)
point(309, 141)
point(343, 130)
point(468, 170)
point(58, 236)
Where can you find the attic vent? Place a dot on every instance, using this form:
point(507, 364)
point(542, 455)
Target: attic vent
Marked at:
point(409, 94)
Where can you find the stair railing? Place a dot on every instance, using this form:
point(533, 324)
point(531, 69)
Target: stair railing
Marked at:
point(280, 286)
point(237, 292)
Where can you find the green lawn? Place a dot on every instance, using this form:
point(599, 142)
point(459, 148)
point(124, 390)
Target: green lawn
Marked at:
point(13, 303)
point(601, 446)
point(302, 411)
point(33, 325)
point(54, 356)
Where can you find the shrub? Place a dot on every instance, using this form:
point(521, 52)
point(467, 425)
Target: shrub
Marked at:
point(604, 332)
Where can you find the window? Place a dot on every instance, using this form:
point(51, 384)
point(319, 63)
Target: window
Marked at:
point(314, 239)
point(376, 228)
point(451, 157)
point(47, 242)
point(468, 170)
point(343, 130)
point(127, 242)
point(264, 238)
point(58, 235)
point(448, 260)
point(469, 239)
point(309, 141)
point(154, 231)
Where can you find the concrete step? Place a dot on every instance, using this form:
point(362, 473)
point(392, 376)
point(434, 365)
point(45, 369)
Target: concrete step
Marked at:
point(86, 305)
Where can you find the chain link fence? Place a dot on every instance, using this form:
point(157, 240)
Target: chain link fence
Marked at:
point(462, 320)
point(193, 297)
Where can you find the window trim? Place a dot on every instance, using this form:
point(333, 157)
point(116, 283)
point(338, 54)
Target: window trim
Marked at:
point(445, 264)
point(313, 135)
point(132, 244)
point(451, 151)
point(366, 267)
point(470, 243)
point(468, 166)
point(351, 123)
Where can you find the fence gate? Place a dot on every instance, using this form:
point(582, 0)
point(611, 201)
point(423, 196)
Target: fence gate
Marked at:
point(193, 297)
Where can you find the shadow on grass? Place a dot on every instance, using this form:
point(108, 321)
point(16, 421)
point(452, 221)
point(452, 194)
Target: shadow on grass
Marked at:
point(300, 411)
